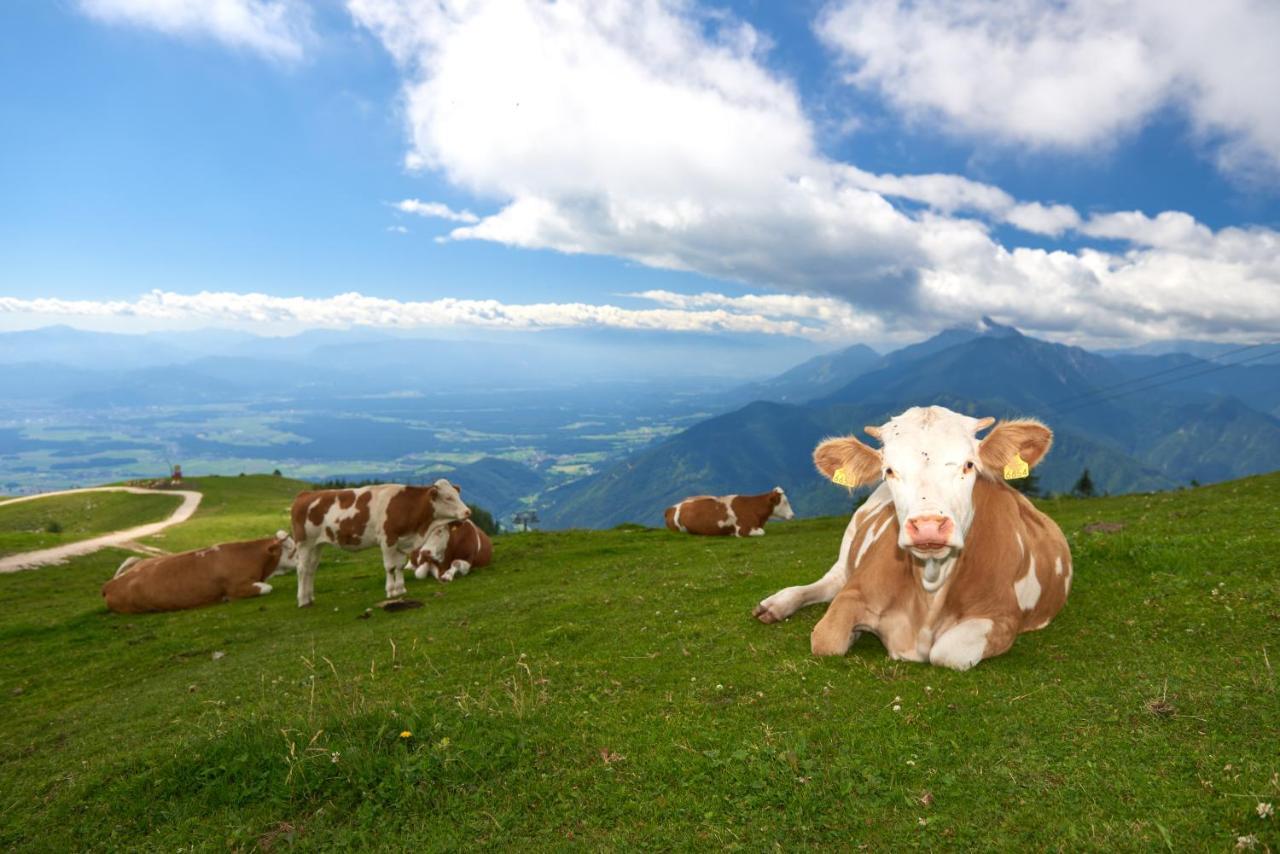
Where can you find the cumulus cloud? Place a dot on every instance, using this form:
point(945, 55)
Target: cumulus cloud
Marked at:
point(275, 28)
point(710, 313)
point(1072, 73)
point(435, 210)
point(648, 131)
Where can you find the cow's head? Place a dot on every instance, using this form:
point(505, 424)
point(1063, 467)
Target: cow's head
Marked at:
point(288, 553)
point(781, 506)
point(447, 502)
point(930, 459)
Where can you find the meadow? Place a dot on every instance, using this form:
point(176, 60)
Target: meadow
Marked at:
point(610, 690)
point(54, 521)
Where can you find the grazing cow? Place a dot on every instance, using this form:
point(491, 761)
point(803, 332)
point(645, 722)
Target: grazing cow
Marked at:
point(394, 517)
point(720, 516)
point(944, 562)
point(460, 546)
point(196, 578)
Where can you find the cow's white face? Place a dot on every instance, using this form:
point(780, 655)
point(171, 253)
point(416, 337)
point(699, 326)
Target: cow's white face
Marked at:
point(782, 508)
point(930, 461)
point(448, 503)
point(288, 553)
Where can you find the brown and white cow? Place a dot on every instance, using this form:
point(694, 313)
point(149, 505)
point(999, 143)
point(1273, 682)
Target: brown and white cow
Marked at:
point(452, 550)
point(726, 515)
point(201, 577)
point(394, 517)
point(945, 562)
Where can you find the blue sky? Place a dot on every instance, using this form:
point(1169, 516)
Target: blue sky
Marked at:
point(840, 171)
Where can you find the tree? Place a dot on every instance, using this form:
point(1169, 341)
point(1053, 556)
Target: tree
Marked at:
point(484, 520)
point(1084, 486)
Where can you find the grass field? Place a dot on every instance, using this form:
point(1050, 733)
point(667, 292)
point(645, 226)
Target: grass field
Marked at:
point(609, 690)
point(59, 519)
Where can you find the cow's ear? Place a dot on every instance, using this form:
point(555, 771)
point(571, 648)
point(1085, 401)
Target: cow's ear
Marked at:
point(847, 461)
point(1009, 439)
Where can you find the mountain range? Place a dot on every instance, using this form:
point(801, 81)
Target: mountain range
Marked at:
point(1137, 421)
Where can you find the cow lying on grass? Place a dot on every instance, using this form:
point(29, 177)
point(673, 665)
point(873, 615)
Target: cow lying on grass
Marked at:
point(451, 551)
point(944, 562)
point(725, 515)
point(394, 517)
point(201, 577)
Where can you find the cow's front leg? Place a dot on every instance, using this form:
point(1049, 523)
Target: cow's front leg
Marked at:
point(393, 562)
point(308, 559)
point(833, 634)
point(246, 589)
point(458, 569)
point(971, 640)
point(787, 601)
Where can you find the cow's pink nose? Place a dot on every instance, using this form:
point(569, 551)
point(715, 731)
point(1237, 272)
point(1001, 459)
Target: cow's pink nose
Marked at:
point(930, 531)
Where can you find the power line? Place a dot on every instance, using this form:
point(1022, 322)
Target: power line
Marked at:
point(1174, 369)
point(1215, 368)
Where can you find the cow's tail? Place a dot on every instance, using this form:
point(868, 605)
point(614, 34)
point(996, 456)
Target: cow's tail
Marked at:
point(124, 567)
point(670, 516)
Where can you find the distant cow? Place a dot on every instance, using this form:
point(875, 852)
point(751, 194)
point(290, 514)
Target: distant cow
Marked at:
point(394, 517)
point(944, 562)
point(196, 578)
point(452, 550)
point(726, 515)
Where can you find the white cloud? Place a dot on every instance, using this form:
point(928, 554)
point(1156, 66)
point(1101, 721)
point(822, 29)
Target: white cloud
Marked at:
point(275, 28)
point(1072, 73)
point(1036, 218)
point(643, 131)
point(713, 313)
point(436, 210)
point(1168, 230)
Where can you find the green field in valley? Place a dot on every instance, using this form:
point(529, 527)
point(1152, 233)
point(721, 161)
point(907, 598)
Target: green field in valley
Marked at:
point(47, 522)
point(609, 690)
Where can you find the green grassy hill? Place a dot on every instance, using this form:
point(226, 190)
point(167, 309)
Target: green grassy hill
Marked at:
point(47, 522)
point(610, 689)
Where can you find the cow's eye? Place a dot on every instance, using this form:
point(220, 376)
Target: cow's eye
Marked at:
point(888, 472)
point(968, 467)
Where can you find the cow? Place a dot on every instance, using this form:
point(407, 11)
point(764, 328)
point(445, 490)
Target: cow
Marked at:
point(944, 562)
point(459, 546)
point(725, 515)
point(202, 577)
point(392, 516)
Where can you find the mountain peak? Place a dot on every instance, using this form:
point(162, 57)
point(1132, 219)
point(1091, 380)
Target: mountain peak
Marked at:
point(992, 329)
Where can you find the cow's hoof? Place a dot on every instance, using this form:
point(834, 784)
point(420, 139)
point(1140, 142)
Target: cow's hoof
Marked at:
point(306, 604)
point(765, 615)
point(421, 573)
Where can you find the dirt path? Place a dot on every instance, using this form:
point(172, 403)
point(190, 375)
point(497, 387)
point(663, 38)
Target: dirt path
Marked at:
point(60, 554)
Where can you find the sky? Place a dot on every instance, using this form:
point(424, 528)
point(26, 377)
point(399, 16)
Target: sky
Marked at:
point(837, 172)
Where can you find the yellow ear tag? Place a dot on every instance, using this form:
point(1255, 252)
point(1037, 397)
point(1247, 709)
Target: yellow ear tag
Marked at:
point(840, 477)
point(1018, 468)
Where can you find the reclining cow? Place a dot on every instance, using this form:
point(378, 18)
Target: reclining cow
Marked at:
point(394, 517)
point(201, 577)
point(452, 550)
point(944, 562)
point(725, 515)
